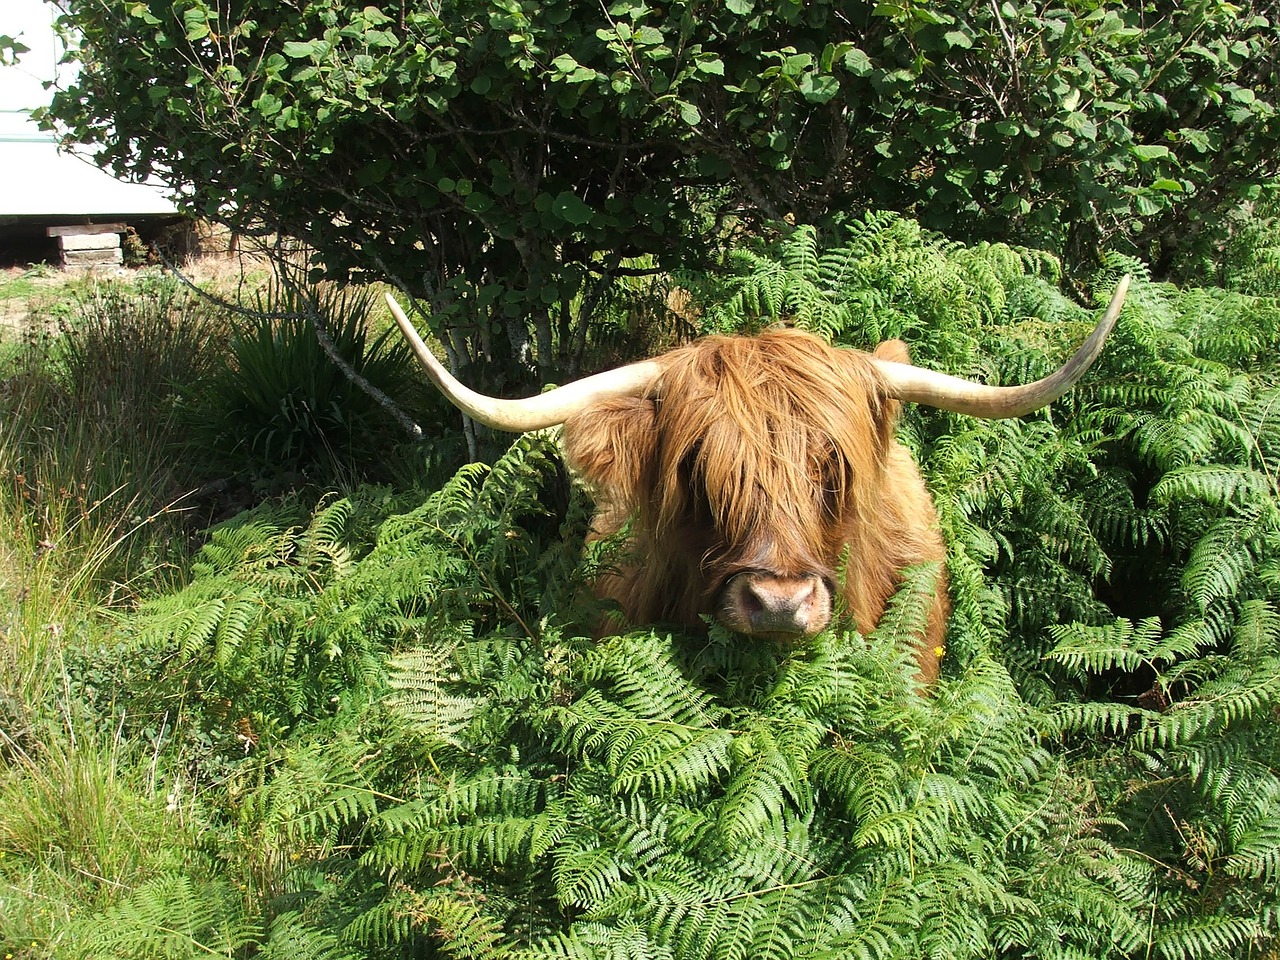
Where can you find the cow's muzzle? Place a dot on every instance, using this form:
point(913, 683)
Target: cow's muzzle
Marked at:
point(757, 602)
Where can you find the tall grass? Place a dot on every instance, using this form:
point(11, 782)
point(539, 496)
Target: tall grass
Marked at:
point(89, 442)
point(107, 438)
point(93, 426)
point(93, 482)
point(81, 823)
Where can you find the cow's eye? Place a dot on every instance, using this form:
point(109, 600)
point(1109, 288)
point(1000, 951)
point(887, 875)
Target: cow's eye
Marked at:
point(697, 503)
point(834, 479)
point(689, 462)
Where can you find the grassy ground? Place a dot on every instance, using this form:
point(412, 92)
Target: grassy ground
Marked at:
point(95, 508)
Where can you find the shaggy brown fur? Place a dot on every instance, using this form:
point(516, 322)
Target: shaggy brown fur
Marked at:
point(773, 453)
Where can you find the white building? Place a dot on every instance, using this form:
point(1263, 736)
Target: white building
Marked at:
point(41, 187)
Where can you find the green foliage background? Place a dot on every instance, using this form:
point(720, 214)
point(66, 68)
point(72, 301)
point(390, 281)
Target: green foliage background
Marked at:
point(397, 739)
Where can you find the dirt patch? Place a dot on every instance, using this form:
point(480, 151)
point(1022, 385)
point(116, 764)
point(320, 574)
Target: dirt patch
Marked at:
point(28, 296)
point(33, 298)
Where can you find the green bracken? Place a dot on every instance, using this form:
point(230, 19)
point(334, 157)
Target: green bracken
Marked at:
point(380, 730)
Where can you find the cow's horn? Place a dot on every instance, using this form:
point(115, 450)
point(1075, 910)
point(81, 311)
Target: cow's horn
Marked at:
point(916, 385)
point(533, 413)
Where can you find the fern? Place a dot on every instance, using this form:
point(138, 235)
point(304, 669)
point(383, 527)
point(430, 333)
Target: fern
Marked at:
point(173, 916)
point(291, 938)
point(1118, 646)
point(445, 765)
point(420, 679)
point(1118, 555)
point(1205, 936)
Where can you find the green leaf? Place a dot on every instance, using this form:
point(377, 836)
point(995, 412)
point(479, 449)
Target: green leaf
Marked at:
point(142, 12)
point(689, 113)
point(297, 49)
point(857, 62)
point(1198, 139)
point(819, 88)
point(1080, 124)
point(796, 64)
point(195, 23)
point(570, 208)
point(1148, 152)
point(740, 7)
point(1146, 205)
point(1013, 203)
point(373, 172)
point(565, 63)
point(268, 104)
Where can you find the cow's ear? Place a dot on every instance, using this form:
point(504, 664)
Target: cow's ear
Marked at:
point(896, 351)
point(612, 445)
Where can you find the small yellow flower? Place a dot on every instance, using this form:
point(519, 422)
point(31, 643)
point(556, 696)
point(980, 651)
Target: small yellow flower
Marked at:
point(939, 652)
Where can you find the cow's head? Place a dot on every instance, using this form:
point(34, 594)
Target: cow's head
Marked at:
point(747, 465)
point(751, 466)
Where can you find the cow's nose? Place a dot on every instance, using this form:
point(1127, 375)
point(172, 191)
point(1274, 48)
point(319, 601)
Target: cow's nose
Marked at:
point(758, 602)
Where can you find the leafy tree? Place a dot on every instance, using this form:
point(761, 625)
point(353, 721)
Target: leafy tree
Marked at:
point(508, 160)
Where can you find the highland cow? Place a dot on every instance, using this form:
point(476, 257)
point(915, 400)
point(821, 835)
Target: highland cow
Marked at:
point(760, 476)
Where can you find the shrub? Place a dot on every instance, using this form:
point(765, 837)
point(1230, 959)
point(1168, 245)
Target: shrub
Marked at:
point(509, 160)
point(281, 404)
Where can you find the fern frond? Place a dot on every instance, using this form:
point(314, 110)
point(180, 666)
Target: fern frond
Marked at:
point(643, 752)
point(1093, 718)
point(1256, 632)
point(664, 694)
point(908, 611)
point(1234, 696)
point(762, 781)
point(1115, 646)
point(1208, 936)
point(865, 783)
point(595, 941)
point(1217, 485)
point(454, 922)
point(420, 681)
point(1223, 559)
point(315, 792)
point(290, 937)
point(174, 915)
